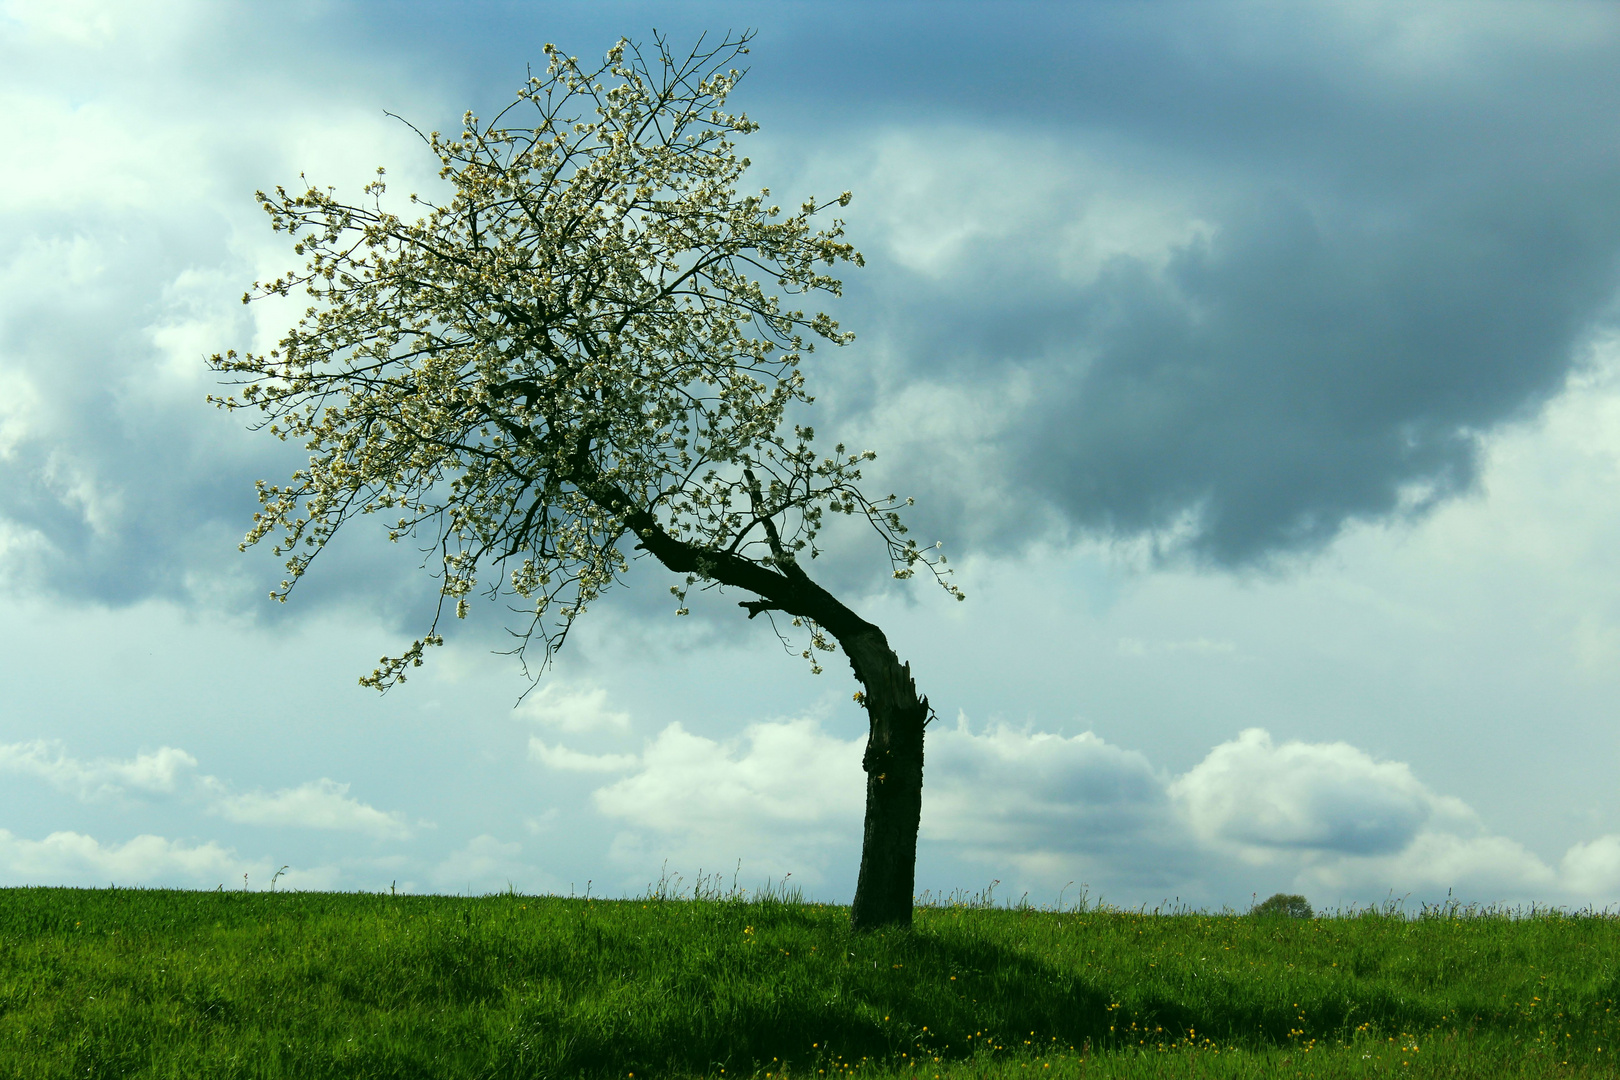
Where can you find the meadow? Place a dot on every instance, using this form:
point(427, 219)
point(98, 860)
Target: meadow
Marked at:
point(159, 983)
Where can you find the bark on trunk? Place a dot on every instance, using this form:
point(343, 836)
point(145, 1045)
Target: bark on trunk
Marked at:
point(894, 766)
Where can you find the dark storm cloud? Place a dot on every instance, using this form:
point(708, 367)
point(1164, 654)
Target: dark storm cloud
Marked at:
point(1293, 373)
point(109, 475)
point(128, 233)
point(1414, 223)
point(124, 484)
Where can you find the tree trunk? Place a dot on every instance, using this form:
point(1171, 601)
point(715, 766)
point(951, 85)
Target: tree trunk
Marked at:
point(894, 749)
point(894, 766)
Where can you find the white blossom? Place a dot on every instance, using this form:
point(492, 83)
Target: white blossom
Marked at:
point(572, 354)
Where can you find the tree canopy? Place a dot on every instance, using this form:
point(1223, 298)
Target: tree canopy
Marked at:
point(589, 346)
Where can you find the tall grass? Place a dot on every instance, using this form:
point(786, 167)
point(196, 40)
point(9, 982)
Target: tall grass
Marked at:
point(707, 982)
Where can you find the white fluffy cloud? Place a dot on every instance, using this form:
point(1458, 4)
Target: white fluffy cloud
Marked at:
point(789, 796)
point(319, 804)
point(1034, 790)
point(573, 710)
point(71, 858)
point(566, 760)
point(1346, 825)
point(487, 864)
point(1480, 866)
point(1593, 869)
point(74, 856)
point(152, 773)
point(790, 773)
point(783, 797)
point(1041, 808)
point(1034, 808)
point(1307, 796)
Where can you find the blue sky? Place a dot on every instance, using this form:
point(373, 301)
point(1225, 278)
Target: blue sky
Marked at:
point(1256, 363)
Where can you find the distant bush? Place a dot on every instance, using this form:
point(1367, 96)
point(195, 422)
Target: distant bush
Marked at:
point(1285, 905)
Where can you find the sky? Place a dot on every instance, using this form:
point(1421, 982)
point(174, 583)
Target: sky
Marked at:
point(1258, 366)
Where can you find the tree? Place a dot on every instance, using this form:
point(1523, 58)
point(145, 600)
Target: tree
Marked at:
point(587, 352)
point(1284, 905)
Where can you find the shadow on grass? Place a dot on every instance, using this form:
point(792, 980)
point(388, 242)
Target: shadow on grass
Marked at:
point(923, 993)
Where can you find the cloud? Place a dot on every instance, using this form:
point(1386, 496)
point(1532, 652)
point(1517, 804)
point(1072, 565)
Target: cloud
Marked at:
point(1593, 869)
point(81, 23)
point(1129, 646)
point(1035, 791)
point(783, 797)
point(1044, 809)
point(1039, 809)
point(319, 804)
point(1301, 369)
point(153, 773)
point(485, 864)
point(560, 757)
point(790, 772)
point(18, 401)
point(121, 267)
point(572, 710)
point(1306, 796)
point(789, 796)
point(1347, 826)
point(1227, 291)
point(1261, 288)
point(1437, 861)
point(71, 858)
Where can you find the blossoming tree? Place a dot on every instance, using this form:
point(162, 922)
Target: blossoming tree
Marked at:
point(586, 351)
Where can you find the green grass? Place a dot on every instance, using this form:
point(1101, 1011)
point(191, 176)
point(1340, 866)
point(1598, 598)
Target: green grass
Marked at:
point(156, 983)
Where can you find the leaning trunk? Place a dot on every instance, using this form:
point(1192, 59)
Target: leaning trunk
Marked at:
point(894, 750)
point(893, 764)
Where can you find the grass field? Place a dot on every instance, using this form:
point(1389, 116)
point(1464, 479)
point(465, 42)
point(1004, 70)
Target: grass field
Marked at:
point(156, 983)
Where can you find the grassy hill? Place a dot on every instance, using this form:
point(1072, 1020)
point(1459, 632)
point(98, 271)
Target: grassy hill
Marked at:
point(158, 983)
